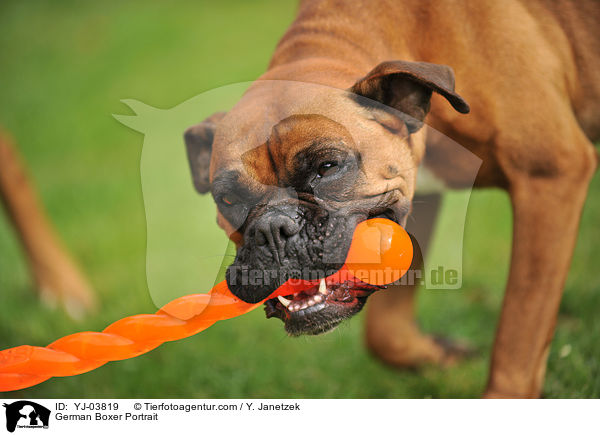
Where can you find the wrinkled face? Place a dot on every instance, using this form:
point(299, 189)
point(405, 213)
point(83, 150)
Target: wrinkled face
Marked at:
point(293, 170)
point(294, 206)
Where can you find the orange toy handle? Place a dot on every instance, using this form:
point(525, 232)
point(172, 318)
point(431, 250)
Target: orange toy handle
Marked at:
point(377, 245)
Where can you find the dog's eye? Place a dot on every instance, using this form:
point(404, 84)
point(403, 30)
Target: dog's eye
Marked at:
point(328, 168)
point(226, 200)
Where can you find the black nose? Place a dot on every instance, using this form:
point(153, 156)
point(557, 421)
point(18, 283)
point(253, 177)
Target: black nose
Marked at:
point(274, 229)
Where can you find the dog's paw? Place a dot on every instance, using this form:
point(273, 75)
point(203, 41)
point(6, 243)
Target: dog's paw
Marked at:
point(61, 283)
point(454, 350)
point(415, 350)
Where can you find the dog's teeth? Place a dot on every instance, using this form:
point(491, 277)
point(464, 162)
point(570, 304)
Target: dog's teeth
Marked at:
point(285, 302)
point(302, 304)
point(322, 287)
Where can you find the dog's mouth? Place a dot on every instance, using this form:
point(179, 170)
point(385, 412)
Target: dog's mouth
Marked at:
point(321, 308)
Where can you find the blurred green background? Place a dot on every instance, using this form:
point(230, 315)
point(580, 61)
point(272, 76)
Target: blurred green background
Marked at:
point(64, 67)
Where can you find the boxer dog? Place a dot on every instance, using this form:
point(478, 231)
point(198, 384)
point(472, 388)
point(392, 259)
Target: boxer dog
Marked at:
point(292, 193)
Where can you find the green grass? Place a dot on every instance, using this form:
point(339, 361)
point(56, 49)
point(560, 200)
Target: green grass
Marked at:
point(65, 66)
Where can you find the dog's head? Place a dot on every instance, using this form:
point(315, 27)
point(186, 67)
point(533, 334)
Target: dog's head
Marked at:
point(294, 167)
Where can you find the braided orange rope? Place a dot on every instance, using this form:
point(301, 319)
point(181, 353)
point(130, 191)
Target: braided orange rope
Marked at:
point(377, 244)
point(24, 366)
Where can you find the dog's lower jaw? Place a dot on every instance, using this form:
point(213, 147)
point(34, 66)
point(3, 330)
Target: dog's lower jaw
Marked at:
point(318, 330)
point(320, 309)
point(322, 324)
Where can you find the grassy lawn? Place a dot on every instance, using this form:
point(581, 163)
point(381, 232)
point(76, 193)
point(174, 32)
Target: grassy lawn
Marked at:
point(65, 66)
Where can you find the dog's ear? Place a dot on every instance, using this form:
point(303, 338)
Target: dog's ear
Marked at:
point(198, 143)
point(407, 87)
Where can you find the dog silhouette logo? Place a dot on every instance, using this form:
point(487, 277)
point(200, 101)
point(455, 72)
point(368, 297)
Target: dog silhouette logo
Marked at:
point(26, 414)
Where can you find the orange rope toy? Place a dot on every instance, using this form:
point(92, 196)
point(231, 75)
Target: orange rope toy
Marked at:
point(381, 253)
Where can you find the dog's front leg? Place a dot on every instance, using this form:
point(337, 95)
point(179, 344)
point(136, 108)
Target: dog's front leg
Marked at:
point(392, 332)
point(57, 277)
point(546, 209)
